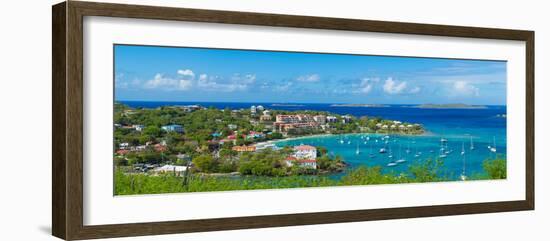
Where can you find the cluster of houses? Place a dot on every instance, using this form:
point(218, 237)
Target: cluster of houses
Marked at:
point(303, 155)
point(125, 147)
point(287, 123)
point(396, 125)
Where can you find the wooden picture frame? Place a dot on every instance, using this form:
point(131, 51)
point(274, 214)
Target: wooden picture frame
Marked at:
point(67, 136)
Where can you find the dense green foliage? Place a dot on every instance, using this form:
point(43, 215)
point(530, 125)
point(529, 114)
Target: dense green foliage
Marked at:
point(429, 171)
point(204, 127)
point(495, 169)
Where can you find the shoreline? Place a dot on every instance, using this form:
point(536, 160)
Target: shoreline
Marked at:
point(426, 133)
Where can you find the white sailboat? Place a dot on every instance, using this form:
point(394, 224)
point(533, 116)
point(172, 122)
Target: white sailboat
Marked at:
point(463, 176)
point(391, 163)
point(357, 150)
point(390, 153)
point(494, 147)
point(401, 159)
point(371, 152)
point(471, 143)
point(442, 153)
point(462, 152)
point(418, 153)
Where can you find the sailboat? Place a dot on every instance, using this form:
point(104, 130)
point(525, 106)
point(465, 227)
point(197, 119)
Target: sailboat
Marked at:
point(471, 143)
point(494, 147)
point(462, 152)
point(371, 152)
point(463, 176)
point(408, 150)
point(357, 150)
point(383, 149)
point(417, 152)
point(341, 140)
point(391, 163)
point(442, 153)
point(400, 160)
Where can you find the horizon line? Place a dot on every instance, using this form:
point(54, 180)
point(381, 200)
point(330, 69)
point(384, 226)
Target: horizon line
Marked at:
point(348, 103)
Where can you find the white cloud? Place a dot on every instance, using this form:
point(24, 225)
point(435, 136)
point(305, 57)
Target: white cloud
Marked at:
point(187, 73)
point(283, 87)
point(215, 83)
point(394, 87)
point(464, 88)
point(309, 78)
point(162, 82)
point(414, 90)
point(364, 87)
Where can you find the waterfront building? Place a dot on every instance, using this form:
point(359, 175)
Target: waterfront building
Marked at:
point(305, 152)
point(263, 146)
point(346, 119)
point(307, 163)
point(332, 119)
point(286, 123)
point(321, 119)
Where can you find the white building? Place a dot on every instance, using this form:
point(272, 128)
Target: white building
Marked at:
point(253, 109)
point(308, 163)
point(123, 145)
point(138, 127)
point(260, 108)
point(305, 152)
point(332, 118)
point(170, 168)
point(321, 119)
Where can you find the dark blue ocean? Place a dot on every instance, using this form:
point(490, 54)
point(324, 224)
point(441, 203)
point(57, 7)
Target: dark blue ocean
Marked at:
point(475, 129)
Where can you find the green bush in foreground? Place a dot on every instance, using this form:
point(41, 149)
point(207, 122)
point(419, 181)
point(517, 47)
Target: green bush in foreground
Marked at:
point(428, 171)
point(496, 169)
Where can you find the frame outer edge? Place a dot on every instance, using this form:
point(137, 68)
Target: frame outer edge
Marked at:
point(530, 120)
point(59, 182)
point(67, 116)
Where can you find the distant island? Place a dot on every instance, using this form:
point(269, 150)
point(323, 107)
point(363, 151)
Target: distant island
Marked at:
point(358, 105)
point(449, 106)
point(287, 105)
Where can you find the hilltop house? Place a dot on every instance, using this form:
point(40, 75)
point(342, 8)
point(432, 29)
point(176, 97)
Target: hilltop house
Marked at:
point(173, 128)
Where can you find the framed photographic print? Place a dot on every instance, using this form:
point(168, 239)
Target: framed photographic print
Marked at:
point(171, 120)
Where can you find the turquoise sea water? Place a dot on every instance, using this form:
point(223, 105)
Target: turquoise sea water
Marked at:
point(481, 127)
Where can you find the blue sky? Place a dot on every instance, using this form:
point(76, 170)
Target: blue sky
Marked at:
point(150, 73)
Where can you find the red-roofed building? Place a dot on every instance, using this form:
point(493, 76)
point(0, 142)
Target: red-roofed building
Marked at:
point(122, 152)
point(305, 152)
point(309, 163)
point(160, 148)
